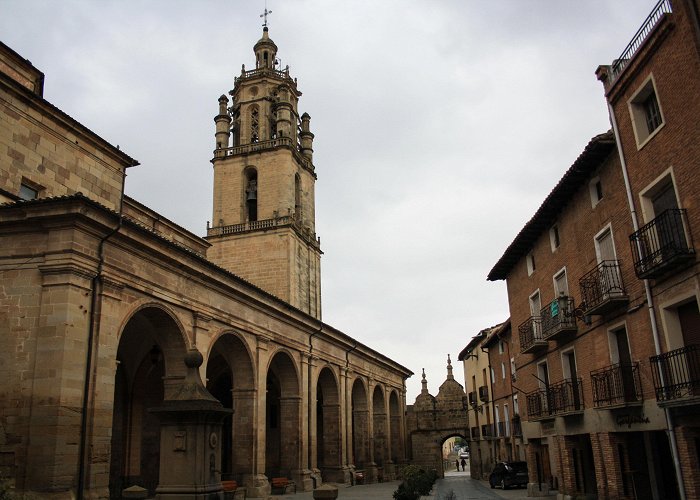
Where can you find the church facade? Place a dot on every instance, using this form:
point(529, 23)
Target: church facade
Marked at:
point(103, 302)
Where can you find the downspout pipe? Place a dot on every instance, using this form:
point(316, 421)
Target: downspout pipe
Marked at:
point(671, 433)
point(93, 333)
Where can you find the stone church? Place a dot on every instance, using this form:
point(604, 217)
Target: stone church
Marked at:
point(136, 353)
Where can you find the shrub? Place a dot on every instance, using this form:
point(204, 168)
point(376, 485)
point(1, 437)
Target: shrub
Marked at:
point(416, 482)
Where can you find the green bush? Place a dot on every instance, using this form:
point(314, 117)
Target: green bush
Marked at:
point(416, 482)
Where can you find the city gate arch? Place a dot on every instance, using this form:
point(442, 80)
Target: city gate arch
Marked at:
point(431, 420)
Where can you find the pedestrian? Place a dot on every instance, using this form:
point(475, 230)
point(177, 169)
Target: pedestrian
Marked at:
point(464, 465)
point(457, 461)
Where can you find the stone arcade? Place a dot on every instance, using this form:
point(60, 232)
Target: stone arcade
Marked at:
point(102, 300)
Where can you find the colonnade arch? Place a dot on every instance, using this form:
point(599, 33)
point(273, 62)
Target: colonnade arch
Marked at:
point(395, 434)
point(328, 425)
point(379, 426)
point(150, 352)
point(360, 425)
point(230, 379)
point(282, 417)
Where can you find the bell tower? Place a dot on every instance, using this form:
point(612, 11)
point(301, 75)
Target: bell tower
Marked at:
point(263, 224)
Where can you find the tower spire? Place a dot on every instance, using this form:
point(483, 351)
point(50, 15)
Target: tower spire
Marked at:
point(450, 376)
point(424, 384)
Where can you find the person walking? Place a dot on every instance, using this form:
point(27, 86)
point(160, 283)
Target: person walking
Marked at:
point(464, 465)
point(457, 462)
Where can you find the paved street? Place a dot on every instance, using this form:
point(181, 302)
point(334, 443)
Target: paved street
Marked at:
point(460, 483)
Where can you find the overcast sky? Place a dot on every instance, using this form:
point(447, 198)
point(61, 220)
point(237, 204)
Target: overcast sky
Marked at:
point(440, 125)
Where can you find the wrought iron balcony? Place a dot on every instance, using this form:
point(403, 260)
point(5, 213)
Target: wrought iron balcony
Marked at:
point(662, 245)
point(662, 8)
point(602, 289)
point(531, 335)
point(516, 426)
point(616, 386)
point(484, 393)
point(472, 398)
point(677, 375)
point(487, 431)
point(558, 317)
point(562, 398)
point(502, 429)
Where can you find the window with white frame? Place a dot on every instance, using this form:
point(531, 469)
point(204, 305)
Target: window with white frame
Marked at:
point(646, 112)
point(512, 368)
point(530, 259)
point(595, 189)
point(561, 286)
point(554, 237)
point(506, 418)
point(503, 370)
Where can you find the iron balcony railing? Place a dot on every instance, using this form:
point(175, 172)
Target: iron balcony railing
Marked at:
point(677, 374)
point(475, 432)
point(292, 220)
point(487, 431)
point(502, 429)
point(616, 385)
point(531, 334)
point(662, 244)
point(516, 426)
point(662, 8)
point(562, 398)
point(558, 317)
point(602, 288)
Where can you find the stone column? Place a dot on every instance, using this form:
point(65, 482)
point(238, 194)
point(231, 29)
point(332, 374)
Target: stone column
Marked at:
point(345, 448)
point(257, 483)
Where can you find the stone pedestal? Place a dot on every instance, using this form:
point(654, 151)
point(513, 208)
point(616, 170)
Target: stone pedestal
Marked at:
point(325, 492)
point(190, 434)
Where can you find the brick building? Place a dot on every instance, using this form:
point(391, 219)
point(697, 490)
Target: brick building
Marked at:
point(106, 305)
point(603, 286)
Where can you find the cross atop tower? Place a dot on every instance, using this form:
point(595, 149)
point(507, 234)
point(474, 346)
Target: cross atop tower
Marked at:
point(264, 16)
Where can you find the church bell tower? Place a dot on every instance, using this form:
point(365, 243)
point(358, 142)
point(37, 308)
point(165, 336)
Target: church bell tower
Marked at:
point(263, 223)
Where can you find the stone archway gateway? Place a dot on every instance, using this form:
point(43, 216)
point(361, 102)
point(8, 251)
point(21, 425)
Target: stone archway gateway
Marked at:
point(431, 420)
point(328, 427)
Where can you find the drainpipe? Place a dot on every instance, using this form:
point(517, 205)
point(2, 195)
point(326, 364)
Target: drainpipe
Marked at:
point(650, 307)
point(93, 333)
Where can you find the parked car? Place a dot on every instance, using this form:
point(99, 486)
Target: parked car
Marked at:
point(507, 474)
point(464, 454)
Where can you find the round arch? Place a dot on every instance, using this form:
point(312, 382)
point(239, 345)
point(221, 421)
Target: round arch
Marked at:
point(282, 416)
point(379, 424)
point(152, 346)
point(328, 426)
point(230, 376)
point(360, 424)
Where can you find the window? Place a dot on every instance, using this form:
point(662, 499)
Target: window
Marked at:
point(251, 195)
point(503, 370)
point(501, 347)
point(254, 125)
point(512, 368)
point(561, 287)
point(554, 237)
point(493, 376)
point(595, 188)
point(27, 192)
point(530, 263)
point(646, 112)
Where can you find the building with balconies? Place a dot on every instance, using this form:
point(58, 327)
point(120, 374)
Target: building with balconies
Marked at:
point(603, 285)
point(478, 378)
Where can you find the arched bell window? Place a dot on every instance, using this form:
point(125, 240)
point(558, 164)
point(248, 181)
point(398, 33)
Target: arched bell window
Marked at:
point(251, 195)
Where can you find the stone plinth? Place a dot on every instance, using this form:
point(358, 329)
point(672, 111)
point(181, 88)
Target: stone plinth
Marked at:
point(326, 491)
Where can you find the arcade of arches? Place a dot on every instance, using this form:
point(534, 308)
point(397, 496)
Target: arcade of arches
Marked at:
point(136, 353)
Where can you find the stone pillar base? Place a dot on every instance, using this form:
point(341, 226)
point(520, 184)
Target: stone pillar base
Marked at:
point(257, 485)
point(537, 490)
point(302, 479)
point(335, 475)
point(370, 473)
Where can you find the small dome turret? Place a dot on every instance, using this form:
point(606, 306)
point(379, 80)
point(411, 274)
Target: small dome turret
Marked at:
point(265, 51)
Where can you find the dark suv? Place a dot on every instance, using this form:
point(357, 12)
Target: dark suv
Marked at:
point(507, 474)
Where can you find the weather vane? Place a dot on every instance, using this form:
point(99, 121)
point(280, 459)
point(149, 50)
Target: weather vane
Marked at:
point(264, 15)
